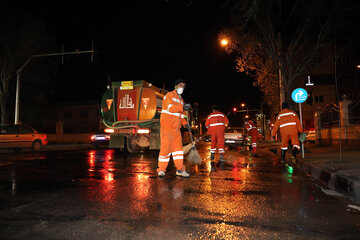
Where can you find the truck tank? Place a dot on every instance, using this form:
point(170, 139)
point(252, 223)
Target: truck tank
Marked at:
point(129, 106)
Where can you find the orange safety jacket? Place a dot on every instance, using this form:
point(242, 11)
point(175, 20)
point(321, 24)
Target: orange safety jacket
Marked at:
point(172, 113)
point(288, 122)
point(249, 125)
point(215, 123)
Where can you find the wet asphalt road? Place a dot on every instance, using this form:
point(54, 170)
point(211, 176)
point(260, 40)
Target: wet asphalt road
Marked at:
point(102, 194)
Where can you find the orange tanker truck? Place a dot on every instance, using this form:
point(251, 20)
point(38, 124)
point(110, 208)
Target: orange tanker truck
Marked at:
point(131, 112)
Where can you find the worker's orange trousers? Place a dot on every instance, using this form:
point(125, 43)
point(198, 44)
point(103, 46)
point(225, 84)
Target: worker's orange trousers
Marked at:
point(217, 142)
point(254, 139)
point(171, 145)
point(293, 139)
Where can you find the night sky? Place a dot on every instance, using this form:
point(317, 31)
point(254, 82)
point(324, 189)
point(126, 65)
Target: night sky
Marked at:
point(157, 41)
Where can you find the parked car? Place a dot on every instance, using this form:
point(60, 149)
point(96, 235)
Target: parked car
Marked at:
point(235, 136)
point(21, 136)
point(311, 136)
point(101, 139)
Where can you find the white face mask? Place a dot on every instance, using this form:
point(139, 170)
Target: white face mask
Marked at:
point(180, 91)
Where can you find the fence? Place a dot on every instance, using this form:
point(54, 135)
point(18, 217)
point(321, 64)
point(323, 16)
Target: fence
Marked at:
point(330, 116)
point(354, 111)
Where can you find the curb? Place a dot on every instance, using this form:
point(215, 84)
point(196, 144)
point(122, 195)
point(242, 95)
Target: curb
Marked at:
point(347, 186)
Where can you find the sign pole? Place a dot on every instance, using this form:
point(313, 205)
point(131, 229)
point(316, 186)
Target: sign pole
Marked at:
point(299, 96)
point(301, 122)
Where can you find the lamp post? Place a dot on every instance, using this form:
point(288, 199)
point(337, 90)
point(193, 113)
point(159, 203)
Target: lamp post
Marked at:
point(18, 72)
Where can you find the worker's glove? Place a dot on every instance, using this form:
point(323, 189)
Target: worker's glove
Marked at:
point(187, 126)
point(187, 107)
point(274, 138)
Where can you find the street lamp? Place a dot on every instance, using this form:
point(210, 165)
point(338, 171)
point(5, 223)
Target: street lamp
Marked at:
point(224, 42)
point(242, 105)
point(18, 72)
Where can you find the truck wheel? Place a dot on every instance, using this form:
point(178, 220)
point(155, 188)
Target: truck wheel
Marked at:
point(130, 145)
point(36, 146)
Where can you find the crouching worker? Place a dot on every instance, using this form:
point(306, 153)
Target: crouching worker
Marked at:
point(254, 133)
point(172, 117)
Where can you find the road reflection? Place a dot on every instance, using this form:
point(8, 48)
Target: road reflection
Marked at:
point(220, 202)
point(100, 164)
point(117, 178)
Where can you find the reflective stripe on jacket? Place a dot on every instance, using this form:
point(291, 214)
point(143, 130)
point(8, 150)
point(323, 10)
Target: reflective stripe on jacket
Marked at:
point(216, 121)
point(172, 113)
point(250, 125)
point(288, 123)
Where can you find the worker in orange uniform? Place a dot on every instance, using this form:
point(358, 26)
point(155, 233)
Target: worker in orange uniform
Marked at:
point(215, 123)
point(289, 125)
point(254, 133)
point(171, 120)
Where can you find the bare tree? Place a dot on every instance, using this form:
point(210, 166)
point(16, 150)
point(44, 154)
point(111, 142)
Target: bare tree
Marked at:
point(20, 35)
point(278, 39)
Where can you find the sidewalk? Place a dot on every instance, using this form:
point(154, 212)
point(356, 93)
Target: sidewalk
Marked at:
point(323, 164)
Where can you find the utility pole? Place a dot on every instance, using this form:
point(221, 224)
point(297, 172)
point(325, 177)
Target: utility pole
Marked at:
point(18, 72)
point(281, 85)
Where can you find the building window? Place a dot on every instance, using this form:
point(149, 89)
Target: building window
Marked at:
point(68, 115)
point(343, 60)
point(319, 99)
point(84, 114)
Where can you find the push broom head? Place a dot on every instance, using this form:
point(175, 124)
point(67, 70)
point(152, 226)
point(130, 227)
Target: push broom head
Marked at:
point(187, 148)
point(194, 156)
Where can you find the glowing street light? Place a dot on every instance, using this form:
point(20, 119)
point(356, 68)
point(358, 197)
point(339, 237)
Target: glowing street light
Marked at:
point(224, 42)
point(242, 105)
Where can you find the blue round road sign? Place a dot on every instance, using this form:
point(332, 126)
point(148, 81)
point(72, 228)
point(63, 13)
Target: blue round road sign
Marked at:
point(299, 95)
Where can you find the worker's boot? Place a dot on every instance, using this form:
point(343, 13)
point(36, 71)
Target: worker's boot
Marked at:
point(221, 159)
point(295, 151)
point(212, 156)
point(213, 168)
point(283, 154)
point(253, 153)
point(293, 157)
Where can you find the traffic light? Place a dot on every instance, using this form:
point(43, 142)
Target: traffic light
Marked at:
point(234, 109)
point(309, 100)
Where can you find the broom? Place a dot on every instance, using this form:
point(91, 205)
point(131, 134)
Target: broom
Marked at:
point(189, 146)
point(194, 156)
